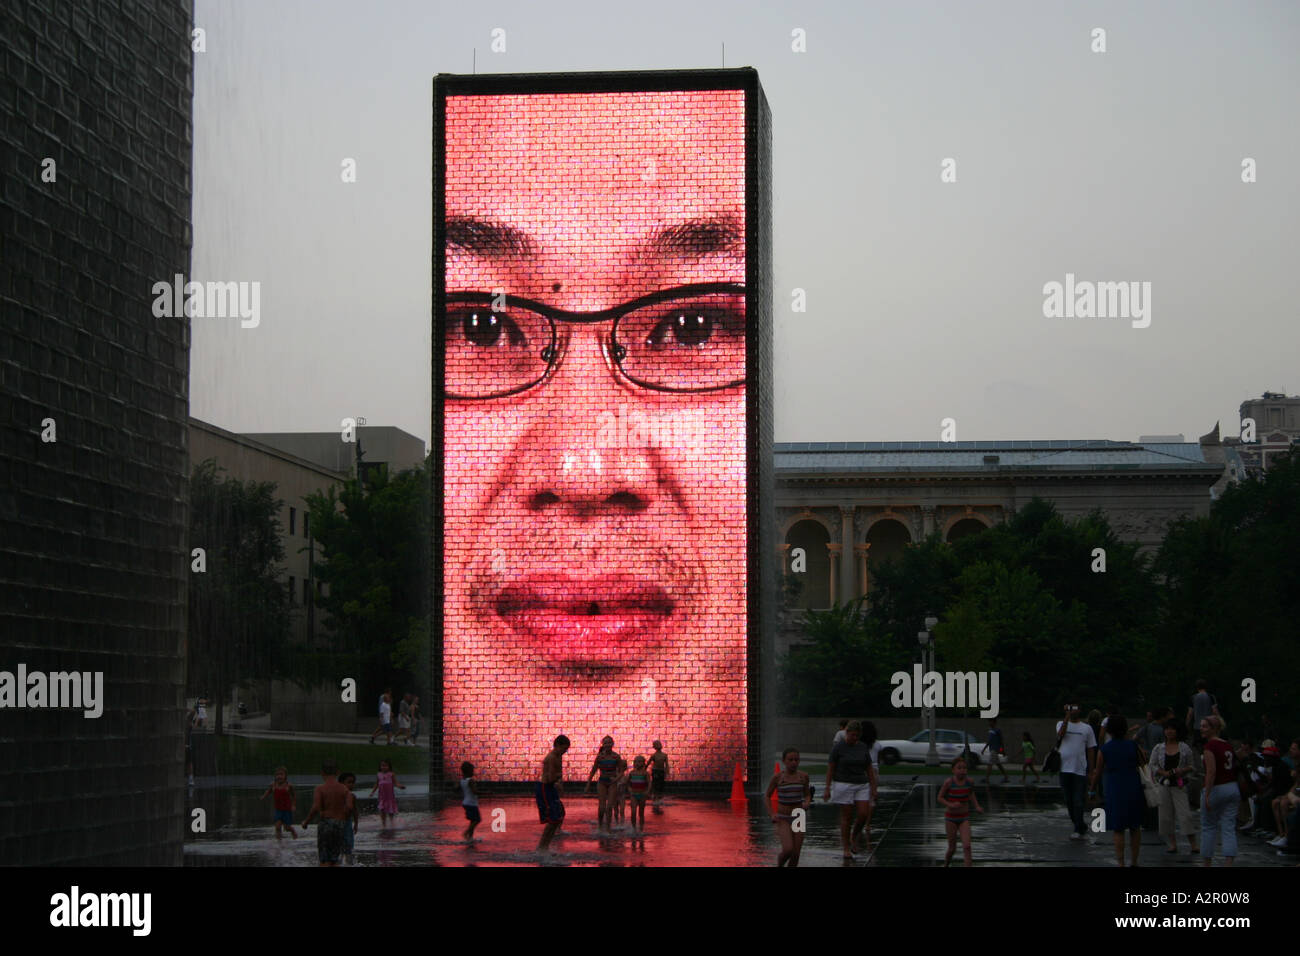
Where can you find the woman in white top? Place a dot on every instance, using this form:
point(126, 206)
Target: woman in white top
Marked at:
point(1172, 763)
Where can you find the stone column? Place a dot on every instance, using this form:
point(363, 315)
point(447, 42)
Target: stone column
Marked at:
point(927, 520)
point(848, 568)
point(834, 550)
point(863, 553)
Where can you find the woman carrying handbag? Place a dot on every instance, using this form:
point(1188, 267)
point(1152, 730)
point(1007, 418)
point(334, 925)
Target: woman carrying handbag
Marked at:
point(1171, 766)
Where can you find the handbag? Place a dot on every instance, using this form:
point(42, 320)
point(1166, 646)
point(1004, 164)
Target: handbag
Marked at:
point(1053, 762)
point(1149, 786)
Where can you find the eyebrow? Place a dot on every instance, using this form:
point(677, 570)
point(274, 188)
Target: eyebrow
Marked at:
point(487, 238)
point(699, 237)
point(694, 237)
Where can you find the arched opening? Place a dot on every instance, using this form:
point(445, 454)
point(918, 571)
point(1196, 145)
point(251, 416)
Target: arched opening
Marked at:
point(888, 539)
point(808, 566)
point(964, 527)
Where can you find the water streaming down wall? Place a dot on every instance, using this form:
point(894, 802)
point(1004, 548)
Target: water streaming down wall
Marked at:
point(93, 566)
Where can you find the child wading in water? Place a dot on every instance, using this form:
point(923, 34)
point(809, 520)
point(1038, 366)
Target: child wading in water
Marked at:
point(283, 799)
point(793, 792)
point(1027, 754)
point(620, 791)
point(957, 791)
point(638, 788)
point(384, 783)
point(658, 771)
point(353, 821)
point(469, 800)
point(610, 767)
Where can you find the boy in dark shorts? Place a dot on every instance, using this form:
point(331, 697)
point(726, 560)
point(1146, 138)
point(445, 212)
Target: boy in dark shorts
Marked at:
point(330, 803)
point(550, 810)
point(658, 770)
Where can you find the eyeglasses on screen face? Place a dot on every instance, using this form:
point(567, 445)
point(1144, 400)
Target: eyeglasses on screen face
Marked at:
point(686, 339)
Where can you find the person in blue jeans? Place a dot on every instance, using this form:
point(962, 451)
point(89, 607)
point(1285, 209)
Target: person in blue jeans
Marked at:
point(1077, 745)
point(1292, 846)
point(1220, 797)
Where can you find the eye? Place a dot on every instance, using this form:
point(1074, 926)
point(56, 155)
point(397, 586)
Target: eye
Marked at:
point(484, 328)
point(685, 328)
point(693, 327)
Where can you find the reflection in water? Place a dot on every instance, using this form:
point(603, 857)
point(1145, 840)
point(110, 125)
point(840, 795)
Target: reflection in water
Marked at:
point(907, 830)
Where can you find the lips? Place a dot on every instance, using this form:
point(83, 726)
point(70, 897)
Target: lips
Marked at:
point(602, 619)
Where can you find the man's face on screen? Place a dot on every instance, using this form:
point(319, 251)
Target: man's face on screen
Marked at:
point(595, 481)
point(595, 525)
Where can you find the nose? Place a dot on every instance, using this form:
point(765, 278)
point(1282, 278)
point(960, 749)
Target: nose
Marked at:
point(568, 466)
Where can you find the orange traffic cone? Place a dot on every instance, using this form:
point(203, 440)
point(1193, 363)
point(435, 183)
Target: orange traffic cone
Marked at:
point(738, 786)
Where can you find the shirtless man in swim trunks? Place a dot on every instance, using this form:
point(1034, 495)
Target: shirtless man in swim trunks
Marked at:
point(330, 803)
point(549, 786)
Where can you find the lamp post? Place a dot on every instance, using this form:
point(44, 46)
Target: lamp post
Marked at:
point(926, 640)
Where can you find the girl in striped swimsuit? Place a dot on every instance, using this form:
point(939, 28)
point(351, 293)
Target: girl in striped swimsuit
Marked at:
point(609, 764)
point(638, 788)
point(956, 792)
point(792, 793)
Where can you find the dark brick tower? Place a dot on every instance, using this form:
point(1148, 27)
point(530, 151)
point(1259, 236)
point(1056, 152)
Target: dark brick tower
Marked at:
point(93, 565)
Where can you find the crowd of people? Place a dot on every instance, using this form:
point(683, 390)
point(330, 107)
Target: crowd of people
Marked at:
point(335, 808)
point(1178, 776)
point(619, 786)
point(1199, 783)
point(1181, 776)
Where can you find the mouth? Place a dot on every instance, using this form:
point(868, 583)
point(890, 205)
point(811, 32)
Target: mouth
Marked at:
point(607, 619)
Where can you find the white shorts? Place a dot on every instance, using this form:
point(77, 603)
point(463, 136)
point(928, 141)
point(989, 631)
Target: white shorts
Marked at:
point(850, 793)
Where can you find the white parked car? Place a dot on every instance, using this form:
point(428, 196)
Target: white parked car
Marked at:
point(948, 743)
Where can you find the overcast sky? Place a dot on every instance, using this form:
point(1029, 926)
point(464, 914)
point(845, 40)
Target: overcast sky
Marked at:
point(924, 299)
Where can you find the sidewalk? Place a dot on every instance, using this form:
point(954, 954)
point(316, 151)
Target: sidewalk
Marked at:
point(248, 728)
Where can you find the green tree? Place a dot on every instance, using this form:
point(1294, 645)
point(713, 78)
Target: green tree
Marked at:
point(1004, 620)
point(373, 558)
point(1232, 597)
point(1022, 598)
point(817, 681)
point(238, 608)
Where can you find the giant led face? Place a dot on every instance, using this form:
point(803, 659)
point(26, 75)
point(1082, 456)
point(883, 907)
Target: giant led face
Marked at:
point(594, 428)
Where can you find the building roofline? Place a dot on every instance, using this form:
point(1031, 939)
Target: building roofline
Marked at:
point(269, 450)
point(1003, 472)
point(1046, 444)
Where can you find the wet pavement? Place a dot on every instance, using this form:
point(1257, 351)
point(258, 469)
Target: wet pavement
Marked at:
point(1024, 826)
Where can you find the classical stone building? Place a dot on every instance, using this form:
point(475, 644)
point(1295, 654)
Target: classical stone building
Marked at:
point(851, 505)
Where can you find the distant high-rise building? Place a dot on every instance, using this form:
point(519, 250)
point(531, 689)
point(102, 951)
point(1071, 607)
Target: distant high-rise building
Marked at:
point(1276, 416)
